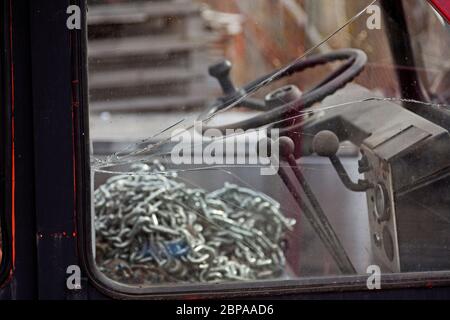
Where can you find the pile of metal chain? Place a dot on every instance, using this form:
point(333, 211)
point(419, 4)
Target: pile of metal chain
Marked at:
point(151, 228)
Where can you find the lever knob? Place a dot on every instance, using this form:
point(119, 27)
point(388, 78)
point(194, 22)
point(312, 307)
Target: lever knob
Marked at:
point(287, 147)
point(285, 144)
point(326, 143)
point(221, 71)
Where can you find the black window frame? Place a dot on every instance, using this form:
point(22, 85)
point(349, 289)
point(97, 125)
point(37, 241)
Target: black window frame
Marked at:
point(83, 213)
point(7, 169)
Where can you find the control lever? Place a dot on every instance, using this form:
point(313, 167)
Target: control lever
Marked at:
point(326, 144)
point(221, 71)
point(313, 212)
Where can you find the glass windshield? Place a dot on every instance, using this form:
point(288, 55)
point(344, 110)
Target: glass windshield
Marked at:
point(431, 41)
point(242, 141)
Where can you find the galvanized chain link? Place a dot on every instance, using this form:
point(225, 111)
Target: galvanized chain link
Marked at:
point(154, 229)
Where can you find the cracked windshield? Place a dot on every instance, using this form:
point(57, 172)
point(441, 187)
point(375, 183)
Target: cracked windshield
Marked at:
point(255, 140)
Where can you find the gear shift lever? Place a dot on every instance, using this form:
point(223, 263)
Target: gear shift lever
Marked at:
point(221, 71)
point(326, 144)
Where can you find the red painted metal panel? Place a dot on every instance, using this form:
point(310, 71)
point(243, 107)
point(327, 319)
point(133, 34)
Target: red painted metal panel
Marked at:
point(443, 6)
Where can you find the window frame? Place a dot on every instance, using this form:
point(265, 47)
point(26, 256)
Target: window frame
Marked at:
point(113, 289)
point(7, 168)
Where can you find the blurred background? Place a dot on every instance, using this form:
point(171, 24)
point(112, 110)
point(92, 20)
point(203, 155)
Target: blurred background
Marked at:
point(150, 57)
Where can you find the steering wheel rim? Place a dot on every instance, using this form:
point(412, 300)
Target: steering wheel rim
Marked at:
point(356, 61)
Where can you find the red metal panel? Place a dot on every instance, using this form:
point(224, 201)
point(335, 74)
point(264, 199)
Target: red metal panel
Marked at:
point(443, 6)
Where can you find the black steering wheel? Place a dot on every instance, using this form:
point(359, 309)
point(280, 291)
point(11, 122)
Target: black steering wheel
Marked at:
point(355, 61)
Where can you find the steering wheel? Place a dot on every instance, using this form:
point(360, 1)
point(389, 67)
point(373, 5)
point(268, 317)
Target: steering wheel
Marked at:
point(274, 114)
point(355, 61)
